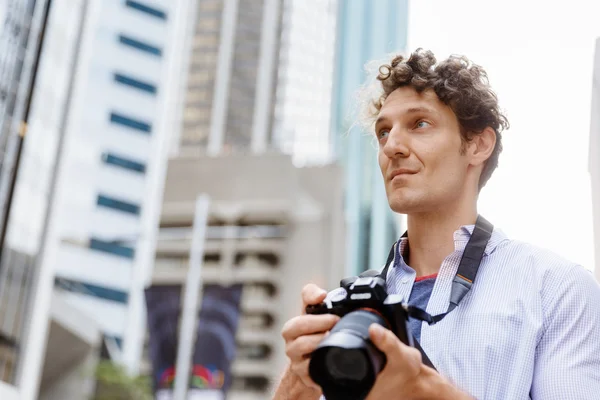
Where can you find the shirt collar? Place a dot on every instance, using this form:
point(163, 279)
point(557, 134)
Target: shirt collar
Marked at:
point(461, 238)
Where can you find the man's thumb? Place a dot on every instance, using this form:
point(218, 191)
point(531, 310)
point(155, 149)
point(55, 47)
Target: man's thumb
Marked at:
point(384, 339)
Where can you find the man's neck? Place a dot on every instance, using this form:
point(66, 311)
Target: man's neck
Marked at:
point(431, 237)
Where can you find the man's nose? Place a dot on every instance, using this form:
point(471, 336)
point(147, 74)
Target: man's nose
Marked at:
point(396, 145)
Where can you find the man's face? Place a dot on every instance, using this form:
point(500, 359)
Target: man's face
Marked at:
point(420, 155)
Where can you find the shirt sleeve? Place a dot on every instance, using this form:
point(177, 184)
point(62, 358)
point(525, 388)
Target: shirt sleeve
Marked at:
point(567, 358)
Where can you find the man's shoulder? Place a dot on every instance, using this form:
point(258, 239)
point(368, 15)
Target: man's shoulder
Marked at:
point(537, 263)
point(531, 254)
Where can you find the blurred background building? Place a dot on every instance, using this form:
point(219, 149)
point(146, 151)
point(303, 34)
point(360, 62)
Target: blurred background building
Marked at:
point(257, 104)
point(272, 235)
point(108, 192)
point(40, 45)
point(95, 95)
point(232, 76)
point(85, 146)
point(364, 33)
point(260, 79)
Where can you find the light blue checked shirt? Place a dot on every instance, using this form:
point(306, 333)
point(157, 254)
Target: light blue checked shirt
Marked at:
point(528, 329)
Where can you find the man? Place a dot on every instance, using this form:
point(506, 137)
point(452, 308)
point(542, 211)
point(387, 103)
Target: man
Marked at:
point(530, 325)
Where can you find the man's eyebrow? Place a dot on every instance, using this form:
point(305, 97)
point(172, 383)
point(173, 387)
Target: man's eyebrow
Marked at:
point(412, 110)
point(380, 119)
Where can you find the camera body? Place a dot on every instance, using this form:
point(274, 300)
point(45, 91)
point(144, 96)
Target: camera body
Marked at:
point(368, 293)
point(346, 363)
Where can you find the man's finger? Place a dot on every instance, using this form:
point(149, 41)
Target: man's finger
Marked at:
point(385, 340)
point(312, 294)
point(303, 346)
point(395, 351)
point(301, 370)
point(307, 325)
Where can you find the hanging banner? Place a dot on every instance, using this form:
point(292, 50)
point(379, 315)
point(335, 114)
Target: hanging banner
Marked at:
point(163, 303)
point(215, 347)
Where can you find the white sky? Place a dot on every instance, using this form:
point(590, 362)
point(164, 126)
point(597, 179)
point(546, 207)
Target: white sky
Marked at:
point(539, 60)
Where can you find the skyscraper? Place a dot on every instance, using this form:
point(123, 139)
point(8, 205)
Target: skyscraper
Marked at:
point(110, 186)
point(259, 82)
point(39, 46)
point(259, 79)
point(88, 187)
point(304, 81)
point(232, 76)
point(365, 32)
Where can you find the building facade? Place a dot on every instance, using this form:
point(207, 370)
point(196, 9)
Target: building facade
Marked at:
point(259, 79)
point(304, 81)
point(123, 109)
point(231, 77)
point(85, 203)
point(365, 33)
point(40, 47)
point(272, 228)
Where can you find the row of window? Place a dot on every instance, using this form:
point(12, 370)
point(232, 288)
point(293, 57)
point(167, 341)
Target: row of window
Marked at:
point(117, 248)
point(131, 123)
point(123, 162)
point(140, 45)
point(135, 83)
point(119, 205)
point(100, 292)
point(146, 9)
point(113, 247)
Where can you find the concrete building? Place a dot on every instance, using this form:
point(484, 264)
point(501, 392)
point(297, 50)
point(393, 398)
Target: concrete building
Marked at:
point(88, 192)
point(109, 190)
point(273, 228)
point(259, 79)
point(365, 33)
point(44, 349)
point(231, 77)
point(594, 157)
point(257, 85)
point(304, 81)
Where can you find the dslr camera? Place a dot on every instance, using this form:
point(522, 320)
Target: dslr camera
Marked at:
point(346, 362)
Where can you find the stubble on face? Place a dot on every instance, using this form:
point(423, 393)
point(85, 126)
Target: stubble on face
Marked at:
point(420, 135)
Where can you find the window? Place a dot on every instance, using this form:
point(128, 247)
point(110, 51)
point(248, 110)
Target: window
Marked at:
point(115, 339)
point(132, 82)
point(119, 205)
point(122, 162)
point(87, 289)
point(146, 9)
point(136, 44)
point(130, 122)
point(112, 247)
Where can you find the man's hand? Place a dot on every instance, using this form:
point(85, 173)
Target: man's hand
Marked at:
point(302, 334)
point(405, 376)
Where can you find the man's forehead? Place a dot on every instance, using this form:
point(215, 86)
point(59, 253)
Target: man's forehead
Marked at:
point(408, 101)
point(408, 97)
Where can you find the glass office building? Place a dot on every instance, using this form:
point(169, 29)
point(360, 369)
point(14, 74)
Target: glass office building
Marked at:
point(365, 32)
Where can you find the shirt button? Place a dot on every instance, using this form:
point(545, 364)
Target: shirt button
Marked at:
point(405, 280)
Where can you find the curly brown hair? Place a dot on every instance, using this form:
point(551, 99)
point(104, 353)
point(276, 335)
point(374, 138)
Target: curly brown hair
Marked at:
point(458, 83)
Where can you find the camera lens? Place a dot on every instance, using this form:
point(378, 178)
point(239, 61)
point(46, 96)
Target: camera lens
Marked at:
point(346, 363)
point(349, 364)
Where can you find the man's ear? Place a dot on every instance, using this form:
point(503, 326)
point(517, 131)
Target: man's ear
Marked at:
point(482, 145)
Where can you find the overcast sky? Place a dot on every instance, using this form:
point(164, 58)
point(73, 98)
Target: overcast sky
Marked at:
point(539, 61)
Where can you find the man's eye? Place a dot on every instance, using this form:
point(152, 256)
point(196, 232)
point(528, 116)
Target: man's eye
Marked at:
point(383, 134)
point(422, 124)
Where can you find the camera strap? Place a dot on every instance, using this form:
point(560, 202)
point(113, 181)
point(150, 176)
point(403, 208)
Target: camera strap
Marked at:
point(465, 276)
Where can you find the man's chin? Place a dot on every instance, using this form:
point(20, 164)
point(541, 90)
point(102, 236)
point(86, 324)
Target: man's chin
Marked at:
point(406, 206)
